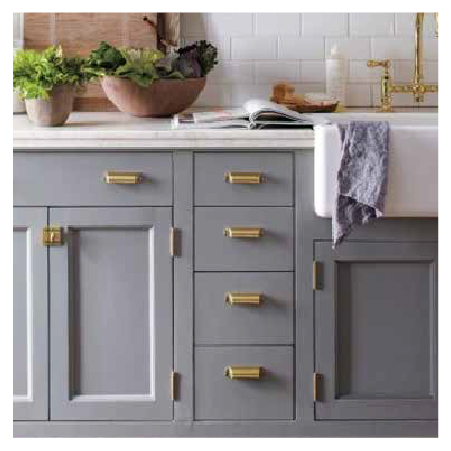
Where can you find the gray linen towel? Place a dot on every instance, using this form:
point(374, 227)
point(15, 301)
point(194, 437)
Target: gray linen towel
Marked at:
point(362, 177)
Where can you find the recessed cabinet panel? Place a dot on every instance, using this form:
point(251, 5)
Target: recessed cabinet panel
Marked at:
point(111, 297)
point(376, 331)
point(29, 315)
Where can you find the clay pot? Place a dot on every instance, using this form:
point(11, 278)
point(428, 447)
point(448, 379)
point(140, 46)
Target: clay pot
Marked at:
point(54, 111)
point(162, 98)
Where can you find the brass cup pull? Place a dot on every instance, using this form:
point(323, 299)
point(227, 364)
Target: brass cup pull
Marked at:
point(244, 372)
point(122, 177)
point(242, 298)
point(243, 232)
point(243, 178)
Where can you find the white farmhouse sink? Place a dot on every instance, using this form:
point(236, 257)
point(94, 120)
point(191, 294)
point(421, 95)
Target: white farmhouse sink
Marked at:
point(413, 163)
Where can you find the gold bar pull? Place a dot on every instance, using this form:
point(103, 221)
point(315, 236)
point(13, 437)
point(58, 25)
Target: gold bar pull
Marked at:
point(52, 236)
point(173, 383)
point(243, 232)
point(242, 298)
point(243, 177)
point(244, 372)
point(122, 177)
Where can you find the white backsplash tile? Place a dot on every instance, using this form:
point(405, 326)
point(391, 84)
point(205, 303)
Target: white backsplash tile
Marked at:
point(257, 50)
point(230, 24)
point(325, 24)
point(313, 71)
point(357, 48)
point(276, 71)
point(277, 24)
point(393, 48)
point(358, 95)
point(372, 24)
point(252, 48)
point(301, 48)
point(233, 72)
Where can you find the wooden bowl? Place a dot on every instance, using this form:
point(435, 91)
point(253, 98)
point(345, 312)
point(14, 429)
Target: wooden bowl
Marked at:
point(162, 98)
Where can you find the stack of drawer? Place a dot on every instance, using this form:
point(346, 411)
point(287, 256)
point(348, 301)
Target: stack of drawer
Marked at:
point(244, 293)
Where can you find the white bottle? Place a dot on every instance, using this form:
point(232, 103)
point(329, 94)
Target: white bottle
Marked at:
point(336, 76)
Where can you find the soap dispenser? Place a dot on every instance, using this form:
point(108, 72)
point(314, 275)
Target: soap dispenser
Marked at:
point(336, 76)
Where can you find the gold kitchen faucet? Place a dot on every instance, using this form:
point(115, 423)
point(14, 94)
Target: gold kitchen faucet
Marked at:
point(418, 88)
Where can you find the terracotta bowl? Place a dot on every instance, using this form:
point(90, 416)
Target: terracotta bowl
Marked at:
point(162, 98)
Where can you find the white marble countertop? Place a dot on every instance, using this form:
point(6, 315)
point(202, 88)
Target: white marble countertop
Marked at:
point(118, 130)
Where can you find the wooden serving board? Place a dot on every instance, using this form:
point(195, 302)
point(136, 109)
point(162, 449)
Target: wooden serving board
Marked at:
point(79, 33)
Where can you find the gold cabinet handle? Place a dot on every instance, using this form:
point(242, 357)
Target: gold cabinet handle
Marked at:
point(243, 232)
point(244, 372)
point(122, 177)
point(242, 298)
point(243, 177)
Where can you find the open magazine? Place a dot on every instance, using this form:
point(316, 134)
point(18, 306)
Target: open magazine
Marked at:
point(254, 114)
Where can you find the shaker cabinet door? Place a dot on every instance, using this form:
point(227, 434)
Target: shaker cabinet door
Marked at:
point(111, 314)
point(29, 315)
point(376, 331)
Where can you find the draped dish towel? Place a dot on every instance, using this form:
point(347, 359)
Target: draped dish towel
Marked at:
point(362, 177)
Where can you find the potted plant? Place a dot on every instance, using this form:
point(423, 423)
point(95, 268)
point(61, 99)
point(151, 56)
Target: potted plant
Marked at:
point(46, 80)
point(145, 83)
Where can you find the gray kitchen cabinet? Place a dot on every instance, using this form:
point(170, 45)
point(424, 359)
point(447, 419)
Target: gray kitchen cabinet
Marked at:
point(30, 315)
point(111, 314)
point(114, 336)
point(376, 331)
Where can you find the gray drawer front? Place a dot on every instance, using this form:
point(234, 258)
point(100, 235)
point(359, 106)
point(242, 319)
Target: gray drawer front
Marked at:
point(219, 398)
point(211, 189)
point(75, 179)
point(216, 252)
point(218, 322)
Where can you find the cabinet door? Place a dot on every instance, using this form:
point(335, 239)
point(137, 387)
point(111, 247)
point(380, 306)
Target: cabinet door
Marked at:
point(30, 315)
point(111, 314)
point(376, 331)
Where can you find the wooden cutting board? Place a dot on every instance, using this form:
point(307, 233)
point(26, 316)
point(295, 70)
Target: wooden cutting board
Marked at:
point(79, 33)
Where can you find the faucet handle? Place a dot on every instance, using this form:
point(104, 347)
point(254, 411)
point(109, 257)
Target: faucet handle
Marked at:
point(375, 63)
point(383, 63)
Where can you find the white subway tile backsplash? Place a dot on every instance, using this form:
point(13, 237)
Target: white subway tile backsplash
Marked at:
point(230, 24)
point(325, 24)
point(257, 50)
point(313, 71)
point(372, 24)
point(358, 95)
point(276, 71)
point(252, 48)
point(359, 72)
point(393, 48)
point(242, 93)
point(301, 48)
point(232, 72)
point(277, 24)
point(356, 48)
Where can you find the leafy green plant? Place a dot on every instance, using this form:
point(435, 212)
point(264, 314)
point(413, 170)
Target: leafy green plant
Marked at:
point(35, 72)
point(144, 66)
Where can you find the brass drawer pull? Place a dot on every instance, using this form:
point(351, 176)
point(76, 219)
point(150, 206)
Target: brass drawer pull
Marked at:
point(243, 178)
point(244, 372)
point(242, 298)
point(243, 232)
point(122, 177)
